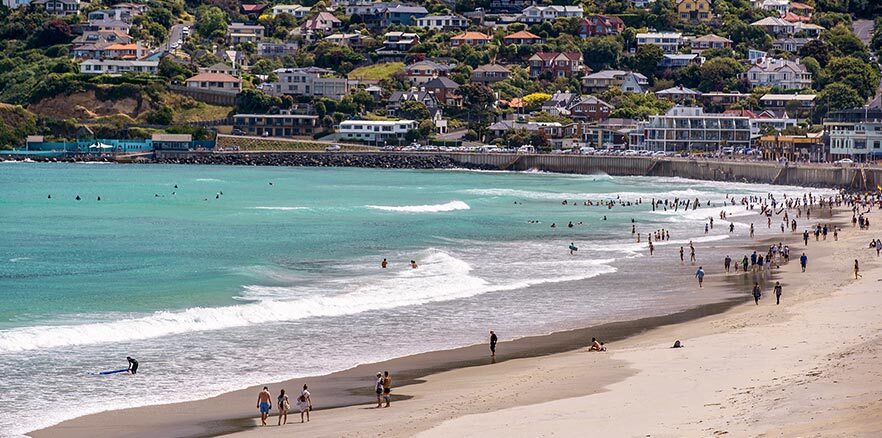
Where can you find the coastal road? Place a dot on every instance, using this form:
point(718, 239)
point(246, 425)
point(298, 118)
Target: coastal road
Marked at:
point(176, 34)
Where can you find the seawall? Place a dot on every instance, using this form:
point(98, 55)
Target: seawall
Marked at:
point(816, 175)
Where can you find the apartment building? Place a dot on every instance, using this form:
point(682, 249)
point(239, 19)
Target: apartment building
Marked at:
point(854, 134)
point(668, 41)
point(285, 124)
point(310, 81)
point(691, 129)
point(376, 132)
point(117, 67)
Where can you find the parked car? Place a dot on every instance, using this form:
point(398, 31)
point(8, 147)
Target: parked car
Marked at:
point(238, 131)
point(844, 161)
point(333, 148)
point(527, 149)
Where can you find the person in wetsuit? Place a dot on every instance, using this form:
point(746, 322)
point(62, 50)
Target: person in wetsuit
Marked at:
point(133, 365)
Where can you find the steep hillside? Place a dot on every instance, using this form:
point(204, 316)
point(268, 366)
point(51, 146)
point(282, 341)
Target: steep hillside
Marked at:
point(15, 124)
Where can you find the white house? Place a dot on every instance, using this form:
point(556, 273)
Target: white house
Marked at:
point(376, 132)
point(442, 22)
point(538, 14)
point(298, 11)
point(668, 41)
point(773, 72)
point(117, 67)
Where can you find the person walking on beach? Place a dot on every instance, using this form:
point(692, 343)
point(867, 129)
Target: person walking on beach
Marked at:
point(751, 230)
point(681, 255)
point(727, 263)
point(777, 292)
point(264, 403)
point(651, 248)
point(691, 253)
point(802, 261)
point(493, 340)
point(283, 404)
point(304, 403)
point(378, 388)
point(757, 293)
point(387, 388)
point(700, 276)
point(857, 270)
point(133, 365)
point(805, 237)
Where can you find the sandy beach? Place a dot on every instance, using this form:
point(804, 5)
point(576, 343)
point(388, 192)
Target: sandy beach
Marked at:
point(807, 367)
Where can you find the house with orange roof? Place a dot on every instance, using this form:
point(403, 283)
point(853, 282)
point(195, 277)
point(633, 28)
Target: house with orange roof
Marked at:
point(471, 39)
point(522, 38)
point(123, 51)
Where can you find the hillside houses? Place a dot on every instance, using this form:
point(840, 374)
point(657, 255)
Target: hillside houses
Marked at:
point(628, 82)
point(669, 42)
point(522, 38)
point(539, 14)
point(442, 22)
point(238, 33)
point(470, 39)
point(710, 41)
point(600, 25)
point(490, 73)
point(424, 71)
point(556, 64)
point(780, 73)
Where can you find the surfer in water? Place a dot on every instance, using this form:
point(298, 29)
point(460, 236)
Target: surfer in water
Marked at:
point(384, 264)
point(573, 248)
point(133, 365)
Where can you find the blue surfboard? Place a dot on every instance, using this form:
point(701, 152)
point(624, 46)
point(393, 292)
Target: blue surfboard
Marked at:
point(114, 371)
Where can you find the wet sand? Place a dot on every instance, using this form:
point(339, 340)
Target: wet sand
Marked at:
point(428, 378)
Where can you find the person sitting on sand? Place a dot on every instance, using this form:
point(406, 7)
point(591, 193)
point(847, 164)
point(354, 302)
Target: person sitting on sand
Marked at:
point(596, 345)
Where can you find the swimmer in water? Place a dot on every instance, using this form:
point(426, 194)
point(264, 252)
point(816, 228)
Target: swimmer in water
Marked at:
point(77, 198)
point(384, 264)
point(413, 264)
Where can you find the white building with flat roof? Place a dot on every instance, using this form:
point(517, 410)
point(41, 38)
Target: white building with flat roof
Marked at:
point(117, 67)
point(668, 41)
point(691, 129)
point(376, 132)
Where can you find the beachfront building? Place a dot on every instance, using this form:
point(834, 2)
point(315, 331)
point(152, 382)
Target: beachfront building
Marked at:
point(284, 124)
point(854, 134)
point(555, 64)
point(781, 73)
point(376, 132)
point(802, 104)
point(691, 129)
point(309, 81)
point(808, 147)
point(668, 41)
point(118, 67)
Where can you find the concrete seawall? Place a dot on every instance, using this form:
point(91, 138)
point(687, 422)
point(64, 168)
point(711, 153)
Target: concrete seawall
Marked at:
point(739, 171)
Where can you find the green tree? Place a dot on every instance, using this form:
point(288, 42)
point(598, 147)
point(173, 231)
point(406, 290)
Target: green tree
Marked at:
point(647, 58)
point(256, 102)
point(818, 49)
point(835, 97)
point(844, 42)
point(854, 72)
point(413, 110)
point(211, 22)
point(720, 74)
point(601, 52)
point(173, 70)
point(160, 116)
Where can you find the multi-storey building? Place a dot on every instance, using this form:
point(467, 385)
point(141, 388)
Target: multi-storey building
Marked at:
point(808, 147)
point(442, 22)
point(600, 25)
point(538, 14)
point(61, 8)
point(854, 134)
point(490, 73)
point(773, 72)
point(285, 124)
point(690, 128)
point(297, 11)
point(424, 71)
point(557, 64)
point(276, 50)
point(668, 41)
point(695, 11)
point(710, 41)
point(309, 81)
point(376, 132)
point(245, 33)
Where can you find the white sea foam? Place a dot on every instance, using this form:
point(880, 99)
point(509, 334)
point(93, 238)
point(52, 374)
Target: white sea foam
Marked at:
point(440, 277)
point(208, 180)
point(18, 259)
point(432, 208)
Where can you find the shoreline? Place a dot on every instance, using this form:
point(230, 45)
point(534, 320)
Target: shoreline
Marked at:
point(352, 387)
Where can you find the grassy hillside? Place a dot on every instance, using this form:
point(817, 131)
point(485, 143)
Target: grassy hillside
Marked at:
point(377, 72)
point(15, 124)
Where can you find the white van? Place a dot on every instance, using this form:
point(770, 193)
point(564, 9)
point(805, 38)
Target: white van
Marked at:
point(526, 149)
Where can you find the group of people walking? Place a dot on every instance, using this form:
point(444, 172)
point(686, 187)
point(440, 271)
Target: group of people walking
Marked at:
point(283, 404)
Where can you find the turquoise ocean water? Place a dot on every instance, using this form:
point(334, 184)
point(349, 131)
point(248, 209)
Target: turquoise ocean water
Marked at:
point(214, 284)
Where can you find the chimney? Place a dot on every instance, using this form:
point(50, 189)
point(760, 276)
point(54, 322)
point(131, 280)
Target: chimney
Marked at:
point(139, 50)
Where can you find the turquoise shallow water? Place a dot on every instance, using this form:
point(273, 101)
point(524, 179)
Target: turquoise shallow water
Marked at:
point(198, 284)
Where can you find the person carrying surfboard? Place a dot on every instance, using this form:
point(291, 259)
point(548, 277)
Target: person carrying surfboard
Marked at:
point(573, 248)
point(133, 365)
